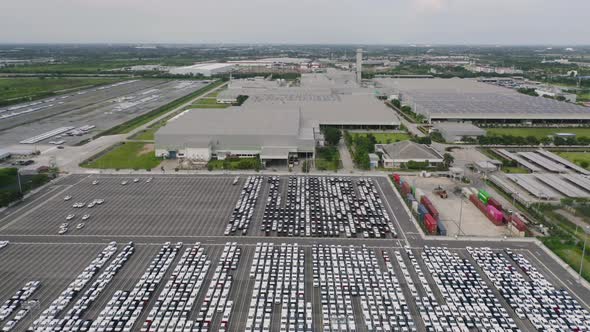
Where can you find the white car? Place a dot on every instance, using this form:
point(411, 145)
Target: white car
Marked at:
point(67, 198)
point(124, 182)
point(62, 231)
point(135, 180)
point(70, 216)
point(149, 180)
point(90, 205)
point(85, 217)
point(95, 182)
point(80, 225)
point(99, 201)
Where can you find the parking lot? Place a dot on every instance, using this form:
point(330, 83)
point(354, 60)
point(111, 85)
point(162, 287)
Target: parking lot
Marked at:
point(100, 107)
point(271, 286)
point(166, 206)
point(212, 282)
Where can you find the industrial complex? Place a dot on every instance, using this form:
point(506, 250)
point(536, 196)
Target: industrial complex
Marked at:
point(275, 120)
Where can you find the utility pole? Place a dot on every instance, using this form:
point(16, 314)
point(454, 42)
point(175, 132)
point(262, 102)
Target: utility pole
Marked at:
point(460, 217)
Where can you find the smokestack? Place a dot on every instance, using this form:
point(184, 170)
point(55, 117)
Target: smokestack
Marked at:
point(359, 65)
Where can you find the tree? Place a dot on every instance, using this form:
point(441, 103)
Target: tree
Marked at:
point(396, 103)
point(332, 135)
point(448, 159)
point(584, 163)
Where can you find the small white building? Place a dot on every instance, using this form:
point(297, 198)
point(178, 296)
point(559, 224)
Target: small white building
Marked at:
point(396, 154)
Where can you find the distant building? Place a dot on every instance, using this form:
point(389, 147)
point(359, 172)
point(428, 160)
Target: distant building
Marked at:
point(457, 131)
point(396, 154)
point(205, 69)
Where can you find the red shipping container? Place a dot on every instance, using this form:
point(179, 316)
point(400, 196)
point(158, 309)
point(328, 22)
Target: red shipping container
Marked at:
point(495, 204)
point(518, 223)
point(429, 206)
point(396, 177)
point(430, 224)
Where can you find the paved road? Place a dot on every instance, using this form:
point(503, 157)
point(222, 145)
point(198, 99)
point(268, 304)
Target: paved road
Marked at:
point(347, 163)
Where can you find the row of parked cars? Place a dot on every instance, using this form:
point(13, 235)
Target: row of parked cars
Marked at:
point(16, 302)
point(124, 307)
point(469, 303)
point(278, 272)
point(175, 302)
point(48, 320)
point(344, 274)
point(217, 302)
point(327, 207)
point(244, 211)
point(530, 294)
point(73, 320)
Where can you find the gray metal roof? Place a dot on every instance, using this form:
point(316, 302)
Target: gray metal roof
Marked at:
point(469, 99)
point(459, 128)
point(408, 150)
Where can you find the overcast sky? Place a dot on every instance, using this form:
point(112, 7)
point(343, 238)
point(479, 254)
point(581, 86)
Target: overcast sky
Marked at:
point(296, 21)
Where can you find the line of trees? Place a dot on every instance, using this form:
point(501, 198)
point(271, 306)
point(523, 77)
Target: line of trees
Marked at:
point(531, 140)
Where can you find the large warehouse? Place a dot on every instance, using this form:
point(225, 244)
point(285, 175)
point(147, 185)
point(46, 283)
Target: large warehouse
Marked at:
point(469, 100)
point(201, 134)
point(275, 121)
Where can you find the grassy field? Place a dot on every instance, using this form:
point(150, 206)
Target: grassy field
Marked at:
point(576, 157)
point(537, 132)
point(386, 138)
point(585, 96)
point(130, 155)
point(128, 126)
point(327, 158)
point(147, 134)
point(573, 257)
point(15, 90)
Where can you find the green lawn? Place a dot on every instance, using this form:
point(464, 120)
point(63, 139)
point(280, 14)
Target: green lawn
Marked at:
point(537, 132)
point(385, 138)
point(327, 158)
point(585, 96)
point(573, 257)
point(15, 90)
point(576, 157)
point(147, 134)
point(130, 155)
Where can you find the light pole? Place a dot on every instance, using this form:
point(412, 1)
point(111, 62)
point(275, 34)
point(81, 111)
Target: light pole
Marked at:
point(460, 217)
point(583, 253)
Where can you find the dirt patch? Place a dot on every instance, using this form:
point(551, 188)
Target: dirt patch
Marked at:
point(147, 148)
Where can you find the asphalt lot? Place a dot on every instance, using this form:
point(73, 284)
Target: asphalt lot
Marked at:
point(104, 109)
point(189, 209)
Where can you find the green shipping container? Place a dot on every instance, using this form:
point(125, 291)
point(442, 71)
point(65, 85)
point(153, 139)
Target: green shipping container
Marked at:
point(484, 193)
point(483, 198)
point(413, 190)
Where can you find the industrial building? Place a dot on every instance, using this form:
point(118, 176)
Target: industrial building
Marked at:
point(205, 69)
point(276, 121)
point(202, 134)
point(457, 99)
point(457, 131)
point(394, 155)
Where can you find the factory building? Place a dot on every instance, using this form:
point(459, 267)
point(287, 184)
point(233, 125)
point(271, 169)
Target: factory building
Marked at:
point(205, 69)
point(456, 132)
point(457, 100)
point(202, 134)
